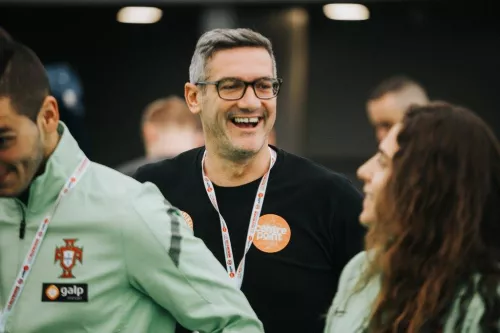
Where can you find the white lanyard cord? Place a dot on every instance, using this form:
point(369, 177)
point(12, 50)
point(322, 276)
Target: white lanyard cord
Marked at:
point(237, 274)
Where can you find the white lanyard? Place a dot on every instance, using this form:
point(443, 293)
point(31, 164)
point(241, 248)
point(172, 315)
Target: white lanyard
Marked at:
point(254, 218)
point(29, 260)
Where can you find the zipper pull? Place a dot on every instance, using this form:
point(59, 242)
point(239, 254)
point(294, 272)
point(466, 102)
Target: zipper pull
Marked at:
point(22, 228)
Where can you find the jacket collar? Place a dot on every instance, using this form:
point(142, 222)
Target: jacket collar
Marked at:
point(45, 188)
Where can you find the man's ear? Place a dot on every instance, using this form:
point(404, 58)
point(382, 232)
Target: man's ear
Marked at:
point(193, 96)
point(48, 116)
point(150, 134)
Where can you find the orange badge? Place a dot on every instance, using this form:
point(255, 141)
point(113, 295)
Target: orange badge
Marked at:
point(52, 292)
point(273, 233)
point(188, 219)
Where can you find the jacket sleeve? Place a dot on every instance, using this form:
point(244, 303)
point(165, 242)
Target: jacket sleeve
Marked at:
point(473, 316)
point(169, 264)
point(348, 278)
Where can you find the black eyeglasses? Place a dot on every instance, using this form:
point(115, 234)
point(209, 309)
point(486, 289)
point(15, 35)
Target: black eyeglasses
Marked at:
point(231, 89)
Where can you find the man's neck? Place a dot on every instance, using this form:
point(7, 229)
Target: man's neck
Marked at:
point(48, 150)
point(224, 172)
point(24, 196)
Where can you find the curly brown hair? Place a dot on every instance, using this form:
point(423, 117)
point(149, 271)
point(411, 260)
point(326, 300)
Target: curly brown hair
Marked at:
point(438, 225)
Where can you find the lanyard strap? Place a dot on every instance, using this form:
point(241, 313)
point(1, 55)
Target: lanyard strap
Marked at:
point(29, 260)
point(234, 274)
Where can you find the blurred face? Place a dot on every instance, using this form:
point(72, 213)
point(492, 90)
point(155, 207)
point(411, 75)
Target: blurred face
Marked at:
point(375, 173)
point(383, 113)
point(21, 150)
point(237, 129)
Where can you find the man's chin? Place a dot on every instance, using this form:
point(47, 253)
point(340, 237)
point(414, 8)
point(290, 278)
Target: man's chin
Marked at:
point(251, 144)
point(249, 149)
point(237, 154)
point(9, 191)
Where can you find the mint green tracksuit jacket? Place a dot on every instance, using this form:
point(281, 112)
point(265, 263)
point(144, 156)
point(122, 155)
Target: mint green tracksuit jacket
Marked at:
point(117, 257)
point(351, 308)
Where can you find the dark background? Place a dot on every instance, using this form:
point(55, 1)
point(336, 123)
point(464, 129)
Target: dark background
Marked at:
point(451, 48)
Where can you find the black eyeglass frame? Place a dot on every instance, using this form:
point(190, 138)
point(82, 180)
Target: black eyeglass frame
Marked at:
point(246, 83)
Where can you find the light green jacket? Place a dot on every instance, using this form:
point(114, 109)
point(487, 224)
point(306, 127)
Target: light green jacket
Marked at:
point(143, 268)
point(350, 310)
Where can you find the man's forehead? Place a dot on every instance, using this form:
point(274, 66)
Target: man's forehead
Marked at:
point(7, 114)
point(242, 62)
point(385, 110)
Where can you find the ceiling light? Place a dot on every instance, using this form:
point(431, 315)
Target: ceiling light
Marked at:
point(346, 11)
point(139, 15)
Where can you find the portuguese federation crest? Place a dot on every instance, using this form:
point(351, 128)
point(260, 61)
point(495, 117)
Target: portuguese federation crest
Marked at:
point(68, 255)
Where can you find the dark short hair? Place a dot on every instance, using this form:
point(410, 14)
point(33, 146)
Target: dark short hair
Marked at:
point(23, 78)
point(393, 84)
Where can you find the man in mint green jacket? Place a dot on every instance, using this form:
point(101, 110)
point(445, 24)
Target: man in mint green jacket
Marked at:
point(84, 248)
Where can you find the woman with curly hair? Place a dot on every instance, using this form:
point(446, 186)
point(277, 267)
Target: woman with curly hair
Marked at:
point(432, 206)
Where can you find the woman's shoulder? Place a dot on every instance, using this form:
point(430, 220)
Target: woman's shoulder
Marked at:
point(352, 303)
point(357, 264)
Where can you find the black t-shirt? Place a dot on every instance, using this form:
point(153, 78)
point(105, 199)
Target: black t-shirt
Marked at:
point(291, 289)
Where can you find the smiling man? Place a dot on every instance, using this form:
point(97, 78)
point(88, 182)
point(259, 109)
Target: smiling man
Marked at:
point(282, 226)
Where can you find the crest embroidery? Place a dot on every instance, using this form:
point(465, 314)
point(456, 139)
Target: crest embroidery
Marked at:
point(67, 256)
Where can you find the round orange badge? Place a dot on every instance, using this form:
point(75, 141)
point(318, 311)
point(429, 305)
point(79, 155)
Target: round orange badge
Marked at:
point(188, 219)
point(273, 233)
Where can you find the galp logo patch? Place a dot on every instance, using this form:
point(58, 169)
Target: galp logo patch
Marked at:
point(65, 292)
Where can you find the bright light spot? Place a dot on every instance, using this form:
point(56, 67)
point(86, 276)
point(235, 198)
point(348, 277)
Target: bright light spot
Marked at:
point(69, 98)
point(139, 15)
point(346, 12)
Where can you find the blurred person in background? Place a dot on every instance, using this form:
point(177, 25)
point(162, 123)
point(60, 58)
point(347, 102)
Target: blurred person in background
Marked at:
point(84, 248)
point(168, 128)
point(390, 99)
point(281, 225)
point(432, 260)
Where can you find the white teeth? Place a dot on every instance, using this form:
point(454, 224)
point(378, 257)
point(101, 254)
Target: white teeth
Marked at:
point(252, 120)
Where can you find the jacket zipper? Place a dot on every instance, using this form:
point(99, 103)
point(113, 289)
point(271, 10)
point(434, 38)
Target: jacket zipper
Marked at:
point(22, 227)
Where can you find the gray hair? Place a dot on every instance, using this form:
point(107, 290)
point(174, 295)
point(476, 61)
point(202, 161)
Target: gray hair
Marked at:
point(223, 39)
